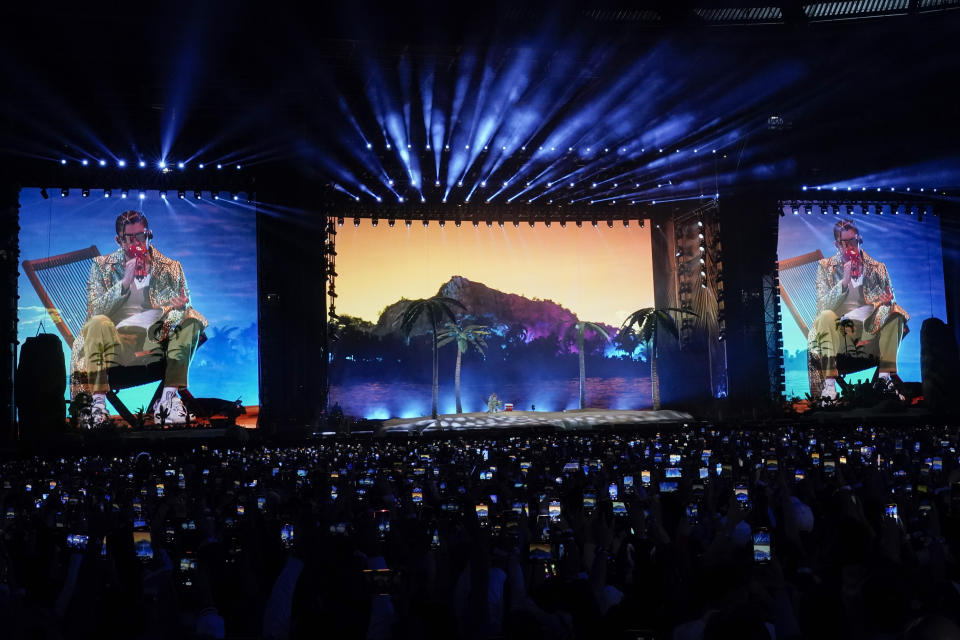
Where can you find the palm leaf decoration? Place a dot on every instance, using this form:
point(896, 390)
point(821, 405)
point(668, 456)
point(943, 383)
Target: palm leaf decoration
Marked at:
point(579, 329)
point(649, 322)
point(435, 310)
point(465, 337)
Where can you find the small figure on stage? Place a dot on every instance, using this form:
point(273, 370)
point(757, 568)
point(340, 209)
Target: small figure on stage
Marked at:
point(493, 404)
point(138, 307)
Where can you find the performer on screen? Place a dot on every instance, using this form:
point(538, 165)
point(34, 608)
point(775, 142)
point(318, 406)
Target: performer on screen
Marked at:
point(138, 306)
point(856, 311)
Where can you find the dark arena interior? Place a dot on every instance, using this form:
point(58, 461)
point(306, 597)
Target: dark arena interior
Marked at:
point(628, 319)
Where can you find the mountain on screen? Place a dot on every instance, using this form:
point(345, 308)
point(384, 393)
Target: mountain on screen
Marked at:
point(489, 307)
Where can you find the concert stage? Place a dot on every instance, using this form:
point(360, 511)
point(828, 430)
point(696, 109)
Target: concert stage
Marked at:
point(573, 420)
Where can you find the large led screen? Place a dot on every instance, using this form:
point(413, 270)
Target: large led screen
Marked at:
point(214, 242)
point(898, 274)
point(523, 289)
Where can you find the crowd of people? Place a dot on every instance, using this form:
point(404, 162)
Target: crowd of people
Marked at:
point(693, 532)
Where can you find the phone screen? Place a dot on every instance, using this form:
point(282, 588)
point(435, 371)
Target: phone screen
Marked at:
point(77, 541)
point(540, 551)
point(589, 500)
point(668, 487)
point(645, 477)
point(761, 546)
point(613, 491)
point(673, 472)
point(142, 545)
point(553, 509)
point(286, 536)
point(619, 508)
point(891, 511)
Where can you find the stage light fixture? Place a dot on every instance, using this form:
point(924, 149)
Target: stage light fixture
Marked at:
point(459, 183)
point(457, 222)
point(563, 223)
point(516, 223)
point(442, 223)
point(436, 183)
point(610, 223)
point(571, 185)
point(407, 222)
point(532, 222)
point(107, 193)
point(219, 166)
point(64, 193)
point(446, 147)
point(389, 183)
point(181, 165)
point(391, 222)
point(593, 185)
point(84, 162)
point(142, 195)
point(425, 223)
point(162, 164)
point(63, 161)
point(340, 221)
point(201, 166)
point(399, 198)
point(549, 184)
point(181, 194)
point(142, 164)
point(197, 195)
point(489, 223)
point(594, 223)
point(379, 199)
point(163, 195)
point(500, 222)
point(641, 224)
point(85, 192)
point(505, 183)
point(413, 183)
point(374, 221)
point(103, 163)
point(356, 222)
point(476, 223)
point(369, 145)
point(123, 194)
point(483, 183)
point(389, 147)
point(626, 223)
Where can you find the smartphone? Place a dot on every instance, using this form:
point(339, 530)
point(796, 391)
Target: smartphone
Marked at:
point(417, 495)
point(628, 483)
point(261, 503)
point(240, 510)
point(143, 546)
point(76, 541)
point(668, 486)
point(742, 495)
point(829, 467)
point(286, 536)
point(540, 551)
point(891, 511)
point(619, 508)
point(483, 513)
point(693, 512)
point(645, 478)
point(799, 475)
point(589, 501)
point(613, 491)
point(553, 510)
point(761, 546)
point(380, 581)
point(435, 539)
point(674, 472)
point(815, 458)
point(704, 473)
point(773, 465)
point(674, 458)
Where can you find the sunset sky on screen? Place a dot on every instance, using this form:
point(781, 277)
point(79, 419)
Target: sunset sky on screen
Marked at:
point(600, 274)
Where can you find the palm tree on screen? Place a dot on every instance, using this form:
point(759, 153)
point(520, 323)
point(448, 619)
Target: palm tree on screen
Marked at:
point(465, 337)
point(580, 328)
point(649, 321)
point(434, 310)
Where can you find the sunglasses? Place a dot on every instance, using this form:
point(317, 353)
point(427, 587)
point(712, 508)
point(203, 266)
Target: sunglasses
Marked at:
point(134, 237)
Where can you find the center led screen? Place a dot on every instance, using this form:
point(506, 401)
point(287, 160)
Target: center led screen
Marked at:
point(72, 241)
point(523, 289)
point(895, 274)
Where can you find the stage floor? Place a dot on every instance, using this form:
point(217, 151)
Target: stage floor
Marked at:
point(576, 419)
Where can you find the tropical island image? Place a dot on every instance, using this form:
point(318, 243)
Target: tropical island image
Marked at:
point(530, 354)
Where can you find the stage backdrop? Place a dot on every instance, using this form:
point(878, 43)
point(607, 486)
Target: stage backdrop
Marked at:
point(215, 241)
point(527, 287)
point(909, 247)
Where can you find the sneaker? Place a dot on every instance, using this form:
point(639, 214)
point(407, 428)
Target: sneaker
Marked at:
point(176, 413)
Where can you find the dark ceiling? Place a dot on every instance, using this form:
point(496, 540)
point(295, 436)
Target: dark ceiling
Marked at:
point(260, 82)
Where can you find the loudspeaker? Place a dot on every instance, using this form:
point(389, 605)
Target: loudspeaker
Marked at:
point(40, 385)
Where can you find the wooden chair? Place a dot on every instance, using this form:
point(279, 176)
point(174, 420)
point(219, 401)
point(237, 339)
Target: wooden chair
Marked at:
point(61, 284)
point(798, 290)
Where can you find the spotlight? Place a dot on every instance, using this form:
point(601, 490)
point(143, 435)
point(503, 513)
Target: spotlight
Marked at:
point(369, 145)
point(123, 194)
point(142, 164)
point(356, 222)
point(483, 183)
point(626, 223)
point(215, 194)
point(201, 166)
point(594, 223)
point(399, 198)
point(579, 224)
point(500, 222)
point(375, 221)
point(459, 183)
point(476, 223)
point(436, 183)
point(162, 164)
point(197, 195)
point(121, 163)
point(457, 222)
point(340, 221)
point(489, 223)
point(594, 185)
point(85, 192)
point(103, 163)
point(610, 224)
point(379, 199)
point(505, 183)
point(516, 223)
point(532, 222)
point(64, 193)
point(549, 184)
point(391, 222)
point(389, 183)
point(84, 162)
point(180, 165)
point(239, 166)
point(63, 161)
point(425, 223)
point(235, 197)
point(142, 195)
point(407, 222)
point(180, 194)
point(219, 166)
point(442, 223)
point(107, 193)
point(163, 195)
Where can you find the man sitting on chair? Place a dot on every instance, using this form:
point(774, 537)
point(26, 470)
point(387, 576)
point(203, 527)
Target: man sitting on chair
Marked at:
point(138, 308)
point(855, 302)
